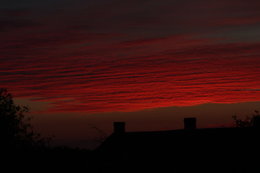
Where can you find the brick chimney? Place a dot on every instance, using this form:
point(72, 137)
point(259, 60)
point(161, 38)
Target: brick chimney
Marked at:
point(190, 123)
point(119, 127)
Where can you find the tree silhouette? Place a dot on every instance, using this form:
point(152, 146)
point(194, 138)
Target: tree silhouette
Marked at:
point(248, 121)
point(16, 130)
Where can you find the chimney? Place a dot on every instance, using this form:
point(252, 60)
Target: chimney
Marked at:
point(190, 123)
point(119, 127)
point(256, 122)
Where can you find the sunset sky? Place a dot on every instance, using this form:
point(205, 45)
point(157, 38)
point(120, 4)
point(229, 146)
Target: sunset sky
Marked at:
point(82, 64)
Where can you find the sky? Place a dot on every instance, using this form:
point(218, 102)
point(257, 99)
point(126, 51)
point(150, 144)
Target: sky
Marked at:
point(82, 64)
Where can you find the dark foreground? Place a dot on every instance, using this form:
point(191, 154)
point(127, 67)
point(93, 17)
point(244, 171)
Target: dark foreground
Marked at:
point(209, 150)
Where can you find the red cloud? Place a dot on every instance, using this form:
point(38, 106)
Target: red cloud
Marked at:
point(125, 57)
point(223, 73)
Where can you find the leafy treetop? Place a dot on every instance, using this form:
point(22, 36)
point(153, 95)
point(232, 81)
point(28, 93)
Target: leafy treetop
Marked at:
point(16, 130)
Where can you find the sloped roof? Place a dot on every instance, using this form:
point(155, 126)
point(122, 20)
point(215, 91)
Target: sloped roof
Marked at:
point(182, 147)
point(171, 138)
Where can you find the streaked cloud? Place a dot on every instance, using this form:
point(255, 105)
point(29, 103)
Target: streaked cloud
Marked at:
point(132, 55)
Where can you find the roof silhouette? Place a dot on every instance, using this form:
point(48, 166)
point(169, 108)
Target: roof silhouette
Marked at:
point(184, 150)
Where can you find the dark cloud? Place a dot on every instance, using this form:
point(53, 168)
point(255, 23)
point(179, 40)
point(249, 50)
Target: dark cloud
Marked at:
point(17, 24)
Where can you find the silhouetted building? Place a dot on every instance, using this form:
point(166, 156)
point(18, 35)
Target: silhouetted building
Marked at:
point(119, 127)
point(193, 150)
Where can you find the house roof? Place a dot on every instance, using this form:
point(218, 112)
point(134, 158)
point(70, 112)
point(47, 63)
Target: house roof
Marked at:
point(184, 150)
point(174, 137)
